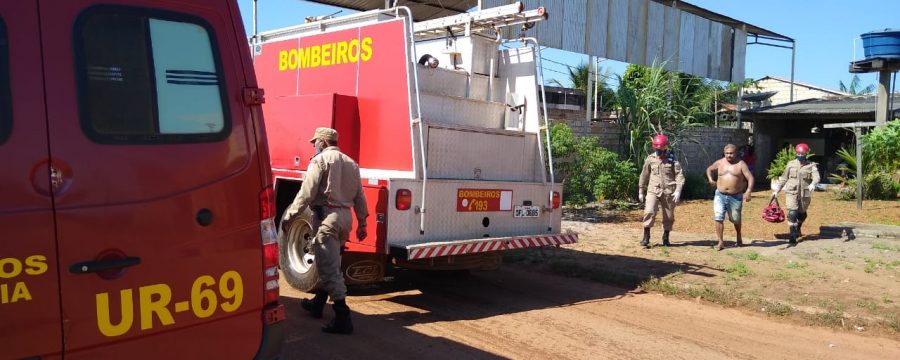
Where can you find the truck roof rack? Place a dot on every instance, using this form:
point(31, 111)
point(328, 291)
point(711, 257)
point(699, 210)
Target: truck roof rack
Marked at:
point(487, 19)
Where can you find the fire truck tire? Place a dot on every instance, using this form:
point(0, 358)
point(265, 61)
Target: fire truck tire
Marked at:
point(296, 260)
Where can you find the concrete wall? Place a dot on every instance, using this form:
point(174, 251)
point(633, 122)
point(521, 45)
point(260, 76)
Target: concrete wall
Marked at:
point(606, 132)
point(699, 147)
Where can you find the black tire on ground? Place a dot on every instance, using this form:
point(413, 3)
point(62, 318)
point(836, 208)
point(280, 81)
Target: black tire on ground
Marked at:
point(295, 257)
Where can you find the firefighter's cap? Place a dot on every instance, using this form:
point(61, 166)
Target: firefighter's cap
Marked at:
point(324, 133)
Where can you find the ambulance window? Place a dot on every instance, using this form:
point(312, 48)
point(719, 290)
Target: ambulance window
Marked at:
point(149, 77)
point(5, 103)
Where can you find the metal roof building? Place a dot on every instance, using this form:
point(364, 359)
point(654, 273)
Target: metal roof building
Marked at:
point(803, 121)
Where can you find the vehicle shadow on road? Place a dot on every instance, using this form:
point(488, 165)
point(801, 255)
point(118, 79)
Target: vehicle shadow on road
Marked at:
point(374, 337)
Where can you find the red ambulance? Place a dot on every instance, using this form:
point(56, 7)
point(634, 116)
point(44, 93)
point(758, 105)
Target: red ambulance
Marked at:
point(136, 206)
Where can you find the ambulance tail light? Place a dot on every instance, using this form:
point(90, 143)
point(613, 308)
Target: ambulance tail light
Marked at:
point(269, 236)
point(556, 200)
point(404, 199)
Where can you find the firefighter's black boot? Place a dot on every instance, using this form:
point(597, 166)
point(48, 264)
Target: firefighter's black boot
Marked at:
point(315, 305)
point(794, 231)
point(646, 241)
point(341, 323)
point(665, 238)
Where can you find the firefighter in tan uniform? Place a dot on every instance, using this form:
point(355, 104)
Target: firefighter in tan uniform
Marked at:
point(331, 188)
point(798, 181)
point(661, 180)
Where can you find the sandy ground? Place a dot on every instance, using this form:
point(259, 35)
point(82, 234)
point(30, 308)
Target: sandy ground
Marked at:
point(823, 299)
point(523, 314)
point(847, 284)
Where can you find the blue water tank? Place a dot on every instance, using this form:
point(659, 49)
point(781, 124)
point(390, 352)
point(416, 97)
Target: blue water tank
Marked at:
point(882, 44)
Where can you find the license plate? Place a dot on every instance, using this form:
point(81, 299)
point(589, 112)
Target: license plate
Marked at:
point(526, 211)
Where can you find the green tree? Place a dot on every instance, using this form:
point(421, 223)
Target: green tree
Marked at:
point(653, 100)
point(854, 88)
point(579, 77)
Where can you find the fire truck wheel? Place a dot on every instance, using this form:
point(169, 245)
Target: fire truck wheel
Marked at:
point(296, 258)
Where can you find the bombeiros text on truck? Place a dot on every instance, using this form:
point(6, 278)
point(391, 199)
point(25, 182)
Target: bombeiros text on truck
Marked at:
point(444, 117)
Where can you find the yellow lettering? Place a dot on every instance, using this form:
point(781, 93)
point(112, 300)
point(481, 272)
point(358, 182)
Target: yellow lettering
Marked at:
point(292, 59)
point(231, 287)
point(304, 58)
point(10, 268)
point(353, 50)
point(341, 53)
point(315, 56)
point(106, 327)
point(37, 264)
point(200, 291)
point(326, 54)
point(282, 60)
point(366, 47)
point(153, 300)
point(4, 294)
point(20, 292)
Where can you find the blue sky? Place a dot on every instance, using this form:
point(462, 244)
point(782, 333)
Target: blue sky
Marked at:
point(824, 30)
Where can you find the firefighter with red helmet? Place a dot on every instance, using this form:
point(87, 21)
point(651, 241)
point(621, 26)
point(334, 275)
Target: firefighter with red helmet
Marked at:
point(798, 181)
point(661, 181)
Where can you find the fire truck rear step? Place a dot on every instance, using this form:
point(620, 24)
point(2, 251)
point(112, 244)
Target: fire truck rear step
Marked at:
point(473, 246)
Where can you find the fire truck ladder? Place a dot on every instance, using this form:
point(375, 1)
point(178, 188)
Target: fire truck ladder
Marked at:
point(487, 19)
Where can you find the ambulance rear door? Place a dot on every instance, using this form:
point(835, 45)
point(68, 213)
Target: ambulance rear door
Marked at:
point(158, 214)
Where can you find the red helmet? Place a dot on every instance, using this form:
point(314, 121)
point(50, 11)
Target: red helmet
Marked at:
point(801, 148)
point(660, 141)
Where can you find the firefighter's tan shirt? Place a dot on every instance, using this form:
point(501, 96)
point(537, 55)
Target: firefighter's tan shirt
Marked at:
point(332, 180)
point(661, 176)
point(797, 177)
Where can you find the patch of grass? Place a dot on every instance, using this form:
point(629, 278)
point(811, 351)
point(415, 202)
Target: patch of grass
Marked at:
point(751, 255)
point(892, 322)
point(782, 275)
point(777, 308)
point(831, 304)
point(808, 256)
point(884, 245)
point(796, 265)
point(828, 250)
point(708, 293)
point(832, 318)
point(739, 269)
point(665, 252)
point(886, 299)
point(873, 265)
point(868, 304)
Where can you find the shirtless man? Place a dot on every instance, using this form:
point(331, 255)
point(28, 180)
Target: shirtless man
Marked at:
point(733, 185)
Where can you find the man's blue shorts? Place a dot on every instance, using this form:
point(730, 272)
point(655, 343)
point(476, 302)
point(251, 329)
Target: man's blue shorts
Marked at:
point(728, 203)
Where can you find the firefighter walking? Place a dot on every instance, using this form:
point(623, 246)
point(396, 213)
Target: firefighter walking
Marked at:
point(798, 181)
point(331, 188)
point(661, 180)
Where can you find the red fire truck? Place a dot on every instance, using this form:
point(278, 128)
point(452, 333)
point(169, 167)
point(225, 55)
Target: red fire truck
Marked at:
point(444, 119)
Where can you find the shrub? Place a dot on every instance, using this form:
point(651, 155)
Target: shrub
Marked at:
point(590, 171)
point(617, 179)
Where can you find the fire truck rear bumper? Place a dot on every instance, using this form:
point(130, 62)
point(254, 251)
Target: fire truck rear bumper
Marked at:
point(474, 246)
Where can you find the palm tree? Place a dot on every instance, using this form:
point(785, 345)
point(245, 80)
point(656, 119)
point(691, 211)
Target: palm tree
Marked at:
point(854, 89)
point(579, 76)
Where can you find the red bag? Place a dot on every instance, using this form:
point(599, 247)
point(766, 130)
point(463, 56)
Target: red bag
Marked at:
point(773, 212)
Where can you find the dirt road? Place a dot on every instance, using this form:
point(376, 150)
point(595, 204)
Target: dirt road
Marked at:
point(515, 313)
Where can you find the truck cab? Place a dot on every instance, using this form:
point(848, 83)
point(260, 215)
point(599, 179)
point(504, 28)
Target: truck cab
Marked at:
point(136, 203)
